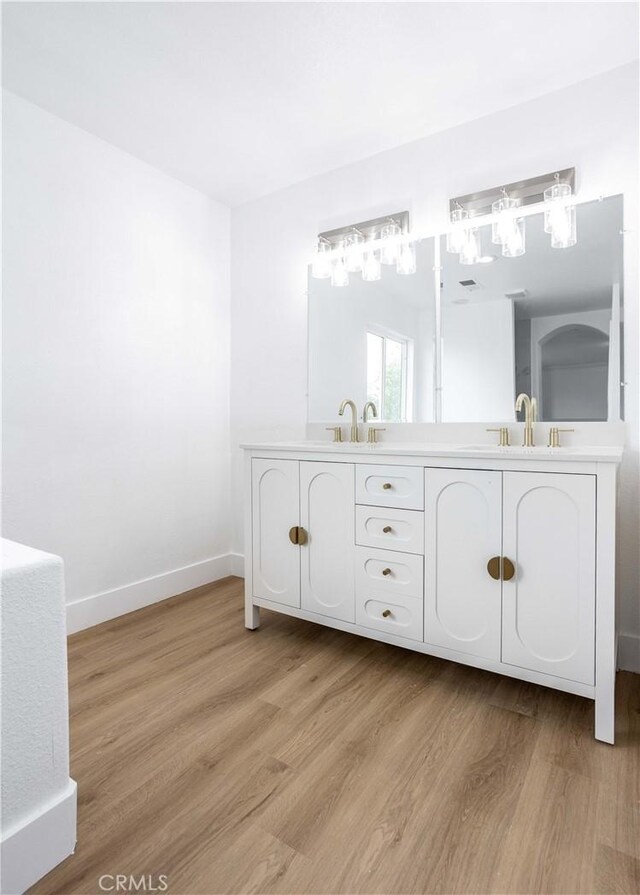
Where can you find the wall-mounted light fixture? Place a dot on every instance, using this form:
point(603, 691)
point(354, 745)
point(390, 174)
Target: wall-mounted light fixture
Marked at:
point(502, 206)
point(365, 247)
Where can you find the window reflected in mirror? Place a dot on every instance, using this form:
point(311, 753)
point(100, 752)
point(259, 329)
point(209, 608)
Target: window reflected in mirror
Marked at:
point(375, 341)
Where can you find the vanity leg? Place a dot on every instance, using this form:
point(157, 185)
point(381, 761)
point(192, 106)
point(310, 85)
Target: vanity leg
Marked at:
point(251, 615)
point(605, 714)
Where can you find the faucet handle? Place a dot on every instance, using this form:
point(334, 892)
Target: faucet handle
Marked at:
point(504, 439)
point(554, 436)
point(337, 432)
point(372, 434)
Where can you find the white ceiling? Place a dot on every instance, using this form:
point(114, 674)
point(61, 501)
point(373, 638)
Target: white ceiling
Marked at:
point(240, 99)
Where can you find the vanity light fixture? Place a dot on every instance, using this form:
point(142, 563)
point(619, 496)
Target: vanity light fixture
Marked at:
point(364, 247)
point(470, 253)
point(504, 208)
point(560, 215)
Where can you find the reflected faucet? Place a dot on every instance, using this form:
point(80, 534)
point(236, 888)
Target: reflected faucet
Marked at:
point(530, 414)
point(365, 412)
point(355, 435)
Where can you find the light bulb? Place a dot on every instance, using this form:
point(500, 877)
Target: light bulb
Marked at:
point(470, 253)
point(456, 237)
point(339, 273)
point(371, 267)
point(503, 211)
point(406, 259)
point(560, 216)
point(514, 243)
point(353, 244)
point(321, 265)
point(389, 249)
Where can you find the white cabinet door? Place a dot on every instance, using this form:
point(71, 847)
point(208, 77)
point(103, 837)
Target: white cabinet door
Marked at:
point(327, 559)
point(275, 508)
point(463, 531)
point(549, 605)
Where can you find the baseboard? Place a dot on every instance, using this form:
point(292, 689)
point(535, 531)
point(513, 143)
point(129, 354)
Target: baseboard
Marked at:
point(37, 845)
point(110, 604)
point(237, 564)
point(629, 652)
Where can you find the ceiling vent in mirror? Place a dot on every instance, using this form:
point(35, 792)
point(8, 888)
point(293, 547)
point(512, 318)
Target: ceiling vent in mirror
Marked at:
point(470, 285)
point(517, 294)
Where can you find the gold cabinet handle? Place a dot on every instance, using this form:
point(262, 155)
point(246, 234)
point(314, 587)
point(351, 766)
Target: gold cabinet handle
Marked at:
point(386, 572)
point(387, 485)
point(499, 567)
point(298, 535)
point(387, 529)
point(493, 568)
point(386, 613)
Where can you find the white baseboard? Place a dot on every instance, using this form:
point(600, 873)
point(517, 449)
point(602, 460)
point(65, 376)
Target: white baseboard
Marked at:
point(629, 652)
point(110, 604)
point(237, 564)
point(38, 844)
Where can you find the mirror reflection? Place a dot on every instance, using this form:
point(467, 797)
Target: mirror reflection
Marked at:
point(547, 323)
point(375, 341)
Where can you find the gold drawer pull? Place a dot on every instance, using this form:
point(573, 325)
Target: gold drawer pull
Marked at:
point(493, 568)
point(386, 571)
point(508, 569)
point(499, 567)
point(387, 485)
point(386, 613)
point(387, 529)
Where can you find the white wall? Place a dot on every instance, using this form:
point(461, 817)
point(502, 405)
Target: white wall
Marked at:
point(116, 353)
point(592, 125)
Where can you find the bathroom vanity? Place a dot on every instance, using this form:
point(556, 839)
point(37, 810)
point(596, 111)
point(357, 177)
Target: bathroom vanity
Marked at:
point(498, 557)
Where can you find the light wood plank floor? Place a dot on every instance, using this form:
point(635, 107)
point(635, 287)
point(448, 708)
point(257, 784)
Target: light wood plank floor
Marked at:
point(297, 759)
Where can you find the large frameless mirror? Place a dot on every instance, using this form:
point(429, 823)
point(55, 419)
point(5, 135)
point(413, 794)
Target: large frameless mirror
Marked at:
point(548, 323)
point(375, 341)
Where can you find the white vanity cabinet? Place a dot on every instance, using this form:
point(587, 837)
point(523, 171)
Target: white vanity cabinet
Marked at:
point(503, 559)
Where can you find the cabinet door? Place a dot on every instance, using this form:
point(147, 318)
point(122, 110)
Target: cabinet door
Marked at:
point(549, 604)
point(463, 531)
point(327, 559)
point(275, 509)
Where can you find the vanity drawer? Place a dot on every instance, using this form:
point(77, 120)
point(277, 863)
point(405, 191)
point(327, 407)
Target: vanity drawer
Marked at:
point(397, 615)
point(390, 529)
point(389, 572)
point(390, 486)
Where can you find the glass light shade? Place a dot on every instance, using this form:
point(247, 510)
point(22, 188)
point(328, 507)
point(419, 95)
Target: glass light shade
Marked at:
point(389, 249)
point(321, 265)
point(502, 226)
point(514, 244)
point(353, 247)
point(406, 259)
point(371, 269)
point(456, 238)
point(560, 216)
point(470, 253)
point(339, 273)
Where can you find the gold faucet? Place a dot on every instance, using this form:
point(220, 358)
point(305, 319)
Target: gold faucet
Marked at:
point(355, 435)
point(530, 413)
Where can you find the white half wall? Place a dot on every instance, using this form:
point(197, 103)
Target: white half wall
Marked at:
point(116, 351)
point(38, 796)
point(592, 125)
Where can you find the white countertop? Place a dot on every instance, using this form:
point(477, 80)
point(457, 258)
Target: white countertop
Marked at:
point(586, 453)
